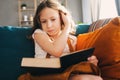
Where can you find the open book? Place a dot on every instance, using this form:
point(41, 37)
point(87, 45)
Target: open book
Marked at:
point(38, 66)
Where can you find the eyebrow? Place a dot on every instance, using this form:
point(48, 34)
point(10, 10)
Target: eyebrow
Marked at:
point(50, 17)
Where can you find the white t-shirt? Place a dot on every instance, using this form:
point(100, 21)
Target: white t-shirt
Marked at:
point(40, 53)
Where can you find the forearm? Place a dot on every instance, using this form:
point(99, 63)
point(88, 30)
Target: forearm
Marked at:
point(60, 43)
point(55, 47)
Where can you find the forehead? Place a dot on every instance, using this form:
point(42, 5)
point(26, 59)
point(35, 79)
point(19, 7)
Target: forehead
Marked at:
point(48, 12)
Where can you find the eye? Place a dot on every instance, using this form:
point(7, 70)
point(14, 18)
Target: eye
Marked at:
point(53, 19)
point(43, 21)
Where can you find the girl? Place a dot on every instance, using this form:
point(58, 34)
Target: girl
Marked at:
point(51, 34)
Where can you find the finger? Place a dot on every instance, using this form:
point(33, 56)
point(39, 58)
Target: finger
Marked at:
point(93, 60)
point(92, 57)
point(65, 19)
point(62, 12)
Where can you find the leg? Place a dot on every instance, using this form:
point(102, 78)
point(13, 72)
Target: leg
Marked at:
point(85, 77)
point(25, 76)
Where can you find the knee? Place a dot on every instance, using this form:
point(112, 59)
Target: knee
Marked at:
point(99, 78)
point(85, 77)
point(76, 77)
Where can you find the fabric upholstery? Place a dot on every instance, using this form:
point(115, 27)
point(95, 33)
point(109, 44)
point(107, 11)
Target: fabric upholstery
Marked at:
point(97, 24)
point(14, 45)
point(106, 41)
point(81, 28)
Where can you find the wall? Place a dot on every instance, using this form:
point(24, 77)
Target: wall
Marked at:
point(75, 7)
point(9, 11)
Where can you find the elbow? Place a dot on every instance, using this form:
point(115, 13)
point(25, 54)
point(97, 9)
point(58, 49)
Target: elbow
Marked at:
point(57, 53)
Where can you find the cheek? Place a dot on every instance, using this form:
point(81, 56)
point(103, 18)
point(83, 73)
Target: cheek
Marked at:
point(58, 22)
point(58, 25)
point(43, 27)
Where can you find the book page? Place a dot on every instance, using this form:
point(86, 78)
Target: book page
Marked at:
point(41, 62)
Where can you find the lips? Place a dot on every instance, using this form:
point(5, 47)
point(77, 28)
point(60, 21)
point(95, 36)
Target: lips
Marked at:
point(50, 31)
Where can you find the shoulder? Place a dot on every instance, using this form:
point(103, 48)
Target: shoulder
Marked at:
point(73, 41)
point(38, 32)
point(72, 37)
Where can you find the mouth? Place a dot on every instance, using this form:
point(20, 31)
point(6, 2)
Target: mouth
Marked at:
point(49, 31)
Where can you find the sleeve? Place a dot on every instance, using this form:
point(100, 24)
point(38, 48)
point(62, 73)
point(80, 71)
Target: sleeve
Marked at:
point(36, 31)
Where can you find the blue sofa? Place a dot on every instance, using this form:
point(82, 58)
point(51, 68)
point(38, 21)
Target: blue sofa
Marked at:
point(15, 44)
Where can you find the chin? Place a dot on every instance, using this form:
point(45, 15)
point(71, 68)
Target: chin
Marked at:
point(51, 34)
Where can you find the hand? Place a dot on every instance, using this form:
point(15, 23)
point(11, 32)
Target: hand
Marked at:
point(66, 20)
point(93, 60)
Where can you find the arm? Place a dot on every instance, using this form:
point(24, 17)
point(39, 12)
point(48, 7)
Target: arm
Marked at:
point(54, 48)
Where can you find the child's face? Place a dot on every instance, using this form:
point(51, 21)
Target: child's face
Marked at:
point(50, 21)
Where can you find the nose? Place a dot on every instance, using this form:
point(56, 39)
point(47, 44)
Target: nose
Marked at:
point(49, 24)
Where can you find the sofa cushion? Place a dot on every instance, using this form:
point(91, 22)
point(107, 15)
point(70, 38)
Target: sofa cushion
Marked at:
point(106, 41)
point(81, 28)
point(99, 23)
point(14, 45)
